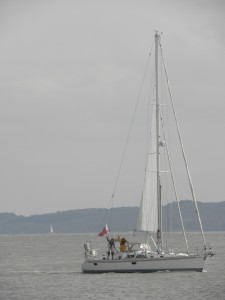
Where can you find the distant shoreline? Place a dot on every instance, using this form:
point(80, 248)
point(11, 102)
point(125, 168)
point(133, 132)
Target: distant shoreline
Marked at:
point(90, 220)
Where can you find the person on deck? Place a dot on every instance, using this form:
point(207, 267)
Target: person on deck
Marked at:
point(111, 247)
point(123, 242)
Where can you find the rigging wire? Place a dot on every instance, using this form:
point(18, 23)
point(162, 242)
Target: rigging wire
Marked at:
point(183, 153)
point(174, 186)
point(169, 159)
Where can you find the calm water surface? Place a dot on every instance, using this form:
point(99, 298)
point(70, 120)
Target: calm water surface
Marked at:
point(49, 267)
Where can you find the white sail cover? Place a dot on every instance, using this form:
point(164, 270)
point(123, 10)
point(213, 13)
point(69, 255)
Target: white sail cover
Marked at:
point(148, 211)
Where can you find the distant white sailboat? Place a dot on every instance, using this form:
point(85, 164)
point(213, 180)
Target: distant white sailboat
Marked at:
point(152, 254)
point(51, 231)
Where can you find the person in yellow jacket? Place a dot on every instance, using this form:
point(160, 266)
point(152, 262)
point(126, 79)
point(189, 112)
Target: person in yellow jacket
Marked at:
point(123, 242)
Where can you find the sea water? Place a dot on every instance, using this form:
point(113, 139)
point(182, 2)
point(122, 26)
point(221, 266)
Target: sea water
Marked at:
point(49, 267)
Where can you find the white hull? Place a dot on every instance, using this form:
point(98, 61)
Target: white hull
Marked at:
point(154, 264)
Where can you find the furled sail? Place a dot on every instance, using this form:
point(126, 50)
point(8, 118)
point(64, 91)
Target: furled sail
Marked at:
point(148, 211)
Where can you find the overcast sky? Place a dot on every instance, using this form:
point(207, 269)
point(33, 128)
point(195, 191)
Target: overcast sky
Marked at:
point(70, 73)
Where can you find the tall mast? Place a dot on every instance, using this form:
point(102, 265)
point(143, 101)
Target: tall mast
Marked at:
point(159, 230)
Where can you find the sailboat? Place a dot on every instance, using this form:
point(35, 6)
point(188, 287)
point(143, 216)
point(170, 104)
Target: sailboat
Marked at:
point(51, 231)
point(152, 254)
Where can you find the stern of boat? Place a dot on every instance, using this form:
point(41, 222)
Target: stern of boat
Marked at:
point(89, 252)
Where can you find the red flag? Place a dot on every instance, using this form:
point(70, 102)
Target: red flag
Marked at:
point(104, 231)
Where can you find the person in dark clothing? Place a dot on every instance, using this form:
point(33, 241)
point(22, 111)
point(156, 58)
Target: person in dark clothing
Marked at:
point(111, 247)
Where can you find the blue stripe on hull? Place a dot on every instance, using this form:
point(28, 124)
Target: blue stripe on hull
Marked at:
point(140, 271)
